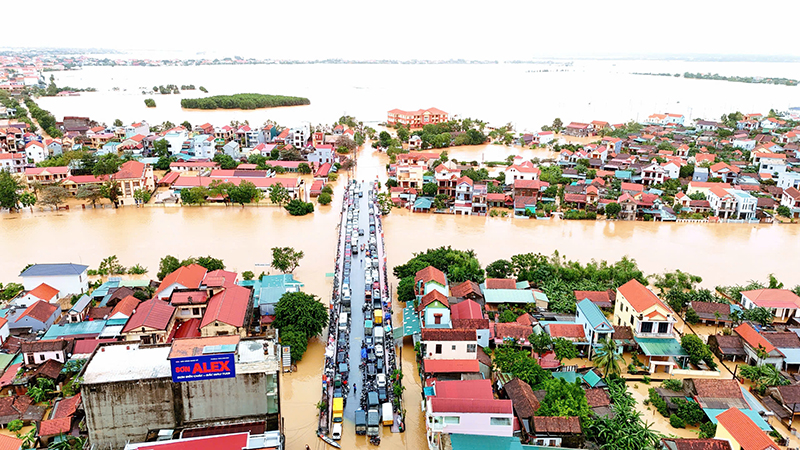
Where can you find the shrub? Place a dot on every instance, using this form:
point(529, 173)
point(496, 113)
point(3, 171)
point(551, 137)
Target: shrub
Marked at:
point(689, 411)
point(676, 422)
point(324, 198)
point(299, 208)
point(658, 402)
point(707, 430)
point(15, 425)
point(150, 103)
point(691, 316)
point(673, 385)
point(646, 379)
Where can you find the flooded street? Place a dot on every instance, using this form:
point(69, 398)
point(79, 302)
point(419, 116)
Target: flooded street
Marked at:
point(243, 237)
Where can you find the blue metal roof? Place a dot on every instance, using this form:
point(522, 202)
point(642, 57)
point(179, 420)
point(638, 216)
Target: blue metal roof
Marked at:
point(49, 270)
point(423, 203)
point(81, 304)
point(594, 316)
point(73, 329)
point(591, 378)
point(411, 323)
point(479, 442)
point(753, 415)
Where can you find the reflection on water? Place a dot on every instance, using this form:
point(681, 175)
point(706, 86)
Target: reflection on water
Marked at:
point(243, 237)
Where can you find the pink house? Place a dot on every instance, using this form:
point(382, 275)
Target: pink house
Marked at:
point(466, 407)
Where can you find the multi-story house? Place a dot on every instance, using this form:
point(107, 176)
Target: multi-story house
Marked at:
point(461, 407)
point(652, 323)
point(769, 162)
point(446, 178)
point(410, 176)
point(200, 147)
point(449, 344)
point(428, 279)
point(151, 323)
point(790, 198)
point(480, 204)
point(596, 327)
point(175, 139)
point(35, 151)
point(225, 133)
point(463, 198)
point(321, 154)
point(783, 303)
point(521, 170)
point(722, 202)
point(137, 128)
point(653, 174)
point(785, 180)
point(724, 171)
point(416, 119)
point(745, 204)
point(46, 175)
point(132, 176)
point(13, 162)
point(299, 136)
point(577, 129)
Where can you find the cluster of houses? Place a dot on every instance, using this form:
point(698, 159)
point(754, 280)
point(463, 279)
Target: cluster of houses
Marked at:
point(58, 320)
point(194, 150)
point(744, 176)
point(464, 394)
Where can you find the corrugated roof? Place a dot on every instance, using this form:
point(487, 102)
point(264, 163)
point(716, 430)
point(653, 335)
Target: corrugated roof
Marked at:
point(469, 405)
point(496, 296)
point(744, 431)
point(451, 366)
point(153, 313)
point(661, 347)
point(479, 442)
point(467, 309)
point(46, 270)
point(594, 316)
point(228, 306)
point(189, 277)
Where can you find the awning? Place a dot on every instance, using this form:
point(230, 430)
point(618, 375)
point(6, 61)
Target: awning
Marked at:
point(411, 324)
point(661, 347)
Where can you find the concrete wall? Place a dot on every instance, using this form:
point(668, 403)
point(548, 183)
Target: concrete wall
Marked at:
point(125, 411)
point(119, 412)
point(460, 351)
point(66, 285)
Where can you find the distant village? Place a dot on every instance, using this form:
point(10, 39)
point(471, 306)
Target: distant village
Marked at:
point(662, 169)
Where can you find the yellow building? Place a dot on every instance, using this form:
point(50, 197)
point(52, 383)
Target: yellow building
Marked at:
point(735, 427)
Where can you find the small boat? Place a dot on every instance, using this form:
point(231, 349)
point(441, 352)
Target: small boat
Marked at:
point(328, 440)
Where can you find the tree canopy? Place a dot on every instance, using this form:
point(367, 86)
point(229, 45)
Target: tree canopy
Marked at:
point(242, 101)
point(299, 314)
point(458, 265)
point(286, 259)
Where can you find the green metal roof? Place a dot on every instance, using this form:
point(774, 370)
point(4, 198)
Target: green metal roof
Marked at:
point(594, 316)
point(661, 347)
point(411, 324)
point(524, 285)
point(569, 377)
point(73, 329)
point(5, 360)
point(508, 296)
point(423, 203)
point(134, 283)
point(591, 378)
point(274, 286)
point(478, 442)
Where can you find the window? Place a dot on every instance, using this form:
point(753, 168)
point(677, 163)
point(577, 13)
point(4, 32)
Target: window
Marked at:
point(647, 327)
point(452, 420)
point(663, 327)
point(41, 357)
point(472, 348)
point(438, 349)
point(196, 311)
point(437, 319)
point(500, 421)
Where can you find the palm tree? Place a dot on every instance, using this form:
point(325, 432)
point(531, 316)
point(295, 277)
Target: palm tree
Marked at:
point(68, 443)
point(28, 439)
point(607, 359)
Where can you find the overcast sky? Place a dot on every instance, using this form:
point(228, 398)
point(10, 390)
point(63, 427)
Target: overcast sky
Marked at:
point(423, 29)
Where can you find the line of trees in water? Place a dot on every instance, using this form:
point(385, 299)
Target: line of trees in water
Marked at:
point(243, 101)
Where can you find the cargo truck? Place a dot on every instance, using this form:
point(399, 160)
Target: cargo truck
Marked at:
point(373, 422)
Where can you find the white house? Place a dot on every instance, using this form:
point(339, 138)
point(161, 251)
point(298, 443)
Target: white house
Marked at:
point(545, 137)
point(4, 331)
point(745, 204)
point(463, 200)
point(298, 136)
point(744, 143)
point(595, 325)
point(202, 146)
point(521, 170)
point(175, 139)
point(68, 278)
point(775, 164)
point(232, 149)
point(37, 352)
point(785, 180)
point(12, 162)
point(449, 344)
point(770, 123)
point(137, 128)
point(322, 154)
point(653, 174)
point(672, 170)
point(42, 292)
point(35, 151)
point(782, 302)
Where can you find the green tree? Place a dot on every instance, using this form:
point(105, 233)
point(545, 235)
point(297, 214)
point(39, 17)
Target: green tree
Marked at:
point(111, 266)
point(137, 269)
point(167, 265)
point(91, 192)
point(296, 340)
point(248, 275)
point(403, 134)
point(43, 390)
point(29, 439)
point(385, 203)
point(111, 190)
point(161, 149)
point(150, 103)
point(208, 262)
point(540, 343)
point(563, 399)
point(54, 196)
point(502, 268)
point(142, 195)
point(691, 316)
point(117, 123)
point(219, 188)
point(302, 313)
point(27, 199)
point(246, 192)
point(304, 168)
point(327, 189)
point(298, 207)
point(278, 194)
point(187, 125)
point(10, 189)
point(697, 350)
point(324, 198)
point(286, 259)
point(384, 139)
point(784, 211)
point(430, 189)
point(558, 125)
point(612, 210)
point(15, 425)
point(225, 161)
point(106, 165)
point(607, 359)
point(564, 349)
point(164, 162)
point(194, 196)
point(405, 290)
point(760, 315)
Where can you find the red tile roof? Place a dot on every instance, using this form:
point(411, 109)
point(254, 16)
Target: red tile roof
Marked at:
point(228, 306)
point(126, 306)
point(66, 407)
point(521, 394)
point(153, 313)
point(470, 324)
point(189, 277)
point(87, 346)
point(53, 427)
point(446, 334)
point(430, 297)
point(9, 374)
point(639, 297)
point(752, 337)
point(600, 298)
point(130, 170)
point(566, 330)
point(476, 389)
point(464, 289)
point(227, 441)
point(451, 366)
point(511, 330)
point(430, 273)
point(717, 388)
point(557, 425)
point(467, 309)
point(220, 278)
point(744, 431)
point(44, 291)
point(597, 397)
point(773, 298)
point(188, 298)
point(40, 311)
point(698, 444)
point(10, 443)
point(500, 283)
point(469, 405)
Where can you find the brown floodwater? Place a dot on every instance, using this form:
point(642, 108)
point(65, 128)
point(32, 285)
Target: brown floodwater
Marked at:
point(243, 237)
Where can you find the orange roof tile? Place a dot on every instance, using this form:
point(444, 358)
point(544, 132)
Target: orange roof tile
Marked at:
point(746, 433)
point(44, 291)
point(639, 296)
point(752, 337)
